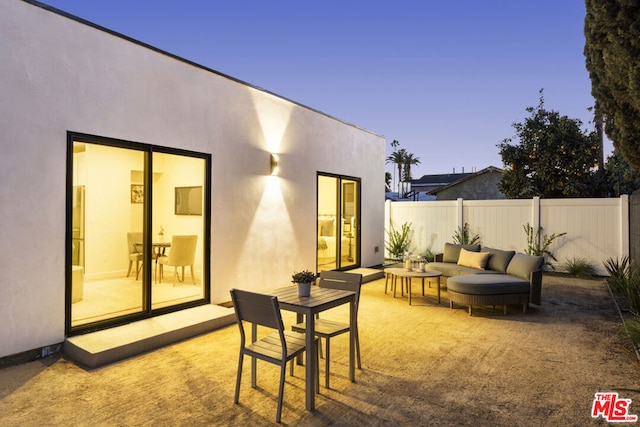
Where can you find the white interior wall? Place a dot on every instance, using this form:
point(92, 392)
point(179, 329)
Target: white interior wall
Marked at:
point(107, 174)
point(177, 171)
point(59, 75)
point(108, 208)
point(327, 194)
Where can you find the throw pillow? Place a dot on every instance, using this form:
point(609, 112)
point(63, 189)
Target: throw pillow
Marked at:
point(523, 265)
point(473, 259)
point(499, 259)
point(452, 252)
point(326, 227)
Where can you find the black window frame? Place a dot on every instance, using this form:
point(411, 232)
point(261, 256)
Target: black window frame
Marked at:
point(148, 311)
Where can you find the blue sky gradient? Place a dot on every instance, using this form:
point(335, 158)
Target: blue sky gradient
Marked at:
point(445, 78)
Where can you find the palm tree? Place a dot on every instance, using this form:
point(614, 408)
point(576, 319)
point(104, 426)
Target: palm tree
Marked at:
point(397, 158)
point(409, 160)
point(394, 145)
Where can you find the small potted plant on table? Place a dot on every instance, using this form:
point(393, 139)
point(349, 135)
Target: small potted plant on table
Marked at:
point(303, 279)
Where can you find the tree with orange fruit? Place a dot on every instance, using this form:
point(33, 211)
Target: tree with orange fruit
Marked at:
point(552, 157)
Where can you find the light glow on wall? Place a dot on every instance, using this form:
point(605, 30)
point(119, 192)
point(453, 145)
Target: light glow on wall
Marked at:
point(274, 116)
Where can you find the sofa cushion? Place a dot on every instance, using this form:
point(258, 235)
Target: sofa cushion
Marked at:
point(522, 265)
point(499, 259)
point(452, 252)
point(488, 284)
point(449, 269)
point(473, 259)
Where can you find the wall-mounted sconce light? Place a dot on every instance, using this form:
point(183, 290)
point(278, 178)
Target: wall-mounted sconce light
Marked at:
point(274, 164)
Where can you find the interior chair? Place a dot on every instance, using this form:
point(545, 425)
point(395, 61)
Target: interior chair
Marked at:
point(182, 253)
point(135, 252)
point(325, 328)
point(277, 347)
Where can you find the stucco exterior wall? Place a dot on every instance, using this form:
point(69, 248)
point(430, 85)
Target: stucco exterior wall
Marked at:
point(59, 75)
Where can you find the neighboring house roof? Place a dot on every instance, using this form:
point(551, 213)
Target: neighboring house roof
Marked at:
point(439, 180)
point(461, 180)
point(420, 197)
point(481, 185)
point(429, 183)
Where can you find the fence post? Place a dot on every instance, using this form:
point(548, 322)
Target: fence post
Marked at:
point(624, 225)
point(460, 212)
point(387, 214)
point(535, 212)
point(535, 217)
point(387, 226)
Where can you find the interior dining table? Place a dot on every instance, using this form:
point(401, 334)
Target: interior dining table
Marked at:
point(159, 249)
point(321, 299)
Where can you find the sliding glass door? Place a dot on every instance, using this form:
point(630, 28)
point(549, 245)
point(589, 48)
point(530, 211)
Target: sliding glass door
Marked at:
point(338, 223)
point(137, 240)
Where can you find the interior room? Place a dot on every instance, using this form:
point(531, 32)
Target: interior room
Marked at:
point(109, 246)
point(338, 235)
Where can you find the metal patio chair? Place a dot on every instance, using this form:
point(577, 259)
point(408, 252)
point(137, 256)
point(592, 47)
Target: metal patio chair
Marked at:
point(278, 347)
point(328, 329)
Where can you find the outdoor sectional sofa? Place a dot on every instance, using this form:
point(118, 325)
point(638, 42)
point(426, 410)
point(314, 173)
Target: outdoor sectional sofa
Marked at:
point(488, 276)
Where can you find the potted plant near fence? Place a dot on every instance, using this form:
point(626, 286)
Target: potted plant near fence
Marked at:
point(303, 279)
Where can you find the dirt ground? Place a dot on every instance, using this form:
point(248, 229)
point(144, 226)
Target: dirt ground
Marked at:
point(424, 364)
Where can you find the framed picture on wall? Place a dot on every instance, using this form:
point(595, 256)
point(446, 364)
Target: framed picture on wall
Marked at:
point(137, 193)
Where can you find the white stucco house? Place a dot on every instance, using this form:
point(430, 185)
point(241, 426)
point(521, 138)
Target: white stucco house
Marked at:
point(137, 184)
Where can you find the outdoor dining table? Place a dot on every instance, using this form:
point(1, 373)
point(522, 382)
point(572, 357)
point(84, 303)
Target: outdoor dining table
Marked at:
point(321, 299)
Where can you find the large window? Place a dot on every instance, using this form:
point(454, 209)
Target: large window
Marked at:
point(138, 231)
point(338, 223)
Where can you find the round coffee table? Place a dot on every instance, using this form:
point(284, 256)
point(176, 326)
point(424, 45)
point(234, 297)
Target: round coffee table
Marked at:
point(396, 272)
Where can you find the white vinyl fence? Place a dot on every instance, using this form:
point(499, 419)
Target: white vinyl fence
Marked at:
point(597, 229)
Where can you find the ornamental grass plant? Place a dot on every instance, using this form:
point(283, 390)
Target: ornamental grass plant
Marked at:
point(579, 267)
point(624, 281)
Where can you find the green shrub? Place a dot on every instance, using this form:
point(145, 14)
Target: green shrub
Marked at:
point(625, 280)
point(463, 237)
point(429, 255)
point(633, 326)
point(619, 271)
point(579, 267)
point(398, 241)
point(631, 292)
point(534, 247)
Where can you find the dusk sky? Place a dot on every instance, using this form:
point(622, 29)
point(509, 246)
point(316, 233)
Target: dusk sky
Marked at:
point(447, 79)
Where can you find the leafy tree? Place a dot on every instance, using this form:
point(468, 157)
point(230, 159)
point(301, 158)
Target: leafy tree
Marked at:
point(387, 179)
point(621, 177)
point(553, 157)
point(612, 52)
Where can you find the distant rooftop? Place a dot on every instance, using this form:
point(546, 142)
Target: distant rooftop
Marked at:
point(440, 179)
point(413, 197)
